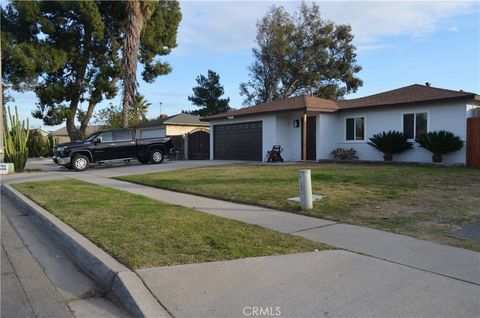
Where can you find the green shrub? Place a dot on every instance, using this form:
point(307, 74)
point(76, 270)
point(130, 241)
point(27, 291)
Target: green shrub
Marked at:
point(15, 141)
point(38, 145)
point(440, 143)
point(390, 143)
point(345, 154)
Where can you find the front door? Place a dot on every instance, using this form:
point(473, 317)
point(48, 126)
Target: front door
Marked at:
point(311, 138)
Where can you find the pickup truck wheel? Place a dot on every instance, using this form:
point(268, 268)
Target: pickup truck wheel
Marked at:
point(80, 163)
point(156, 156)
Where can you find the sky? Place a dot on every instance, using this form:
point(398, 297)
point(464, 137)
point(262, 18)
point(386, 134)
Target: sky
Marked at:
point(398, 44)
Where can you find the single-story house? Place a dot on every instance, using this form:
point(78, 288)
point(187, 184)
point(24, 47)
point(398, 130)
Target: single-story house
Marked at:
point(41, 132)
point(248, 133)
point(170, 126)
point(194, 141)
point(61, 135)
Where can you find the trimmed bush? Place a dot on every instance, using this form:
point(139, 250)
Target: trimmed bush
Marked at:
point(390, 143)
point(440, 143)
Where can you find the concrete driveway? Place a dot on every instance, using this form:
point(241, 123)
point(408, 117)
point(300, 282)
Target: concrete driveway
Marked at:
point(121, 169)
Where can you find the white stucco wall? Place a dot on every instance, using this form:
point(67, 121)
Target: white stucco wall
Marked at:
point(328, 134)
point(289, 137)
point(446, 116)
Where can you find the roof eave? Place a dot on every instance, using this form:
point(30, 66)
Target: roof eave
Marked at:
point(427, 101)
point(184, 124)
point(303, 108)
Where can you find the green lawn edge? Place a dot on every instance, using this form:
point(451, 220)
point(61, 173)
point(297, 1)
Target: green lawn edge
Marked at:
point(141, 232)
point(426, 202)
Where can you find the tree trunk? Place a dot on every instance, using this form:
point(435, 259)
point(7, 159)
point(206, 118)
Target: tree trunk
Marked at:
point(73, 132)
point(70, 123)
point(135, 22)
point(86, 119)
point(437, 157)
point(387, 157)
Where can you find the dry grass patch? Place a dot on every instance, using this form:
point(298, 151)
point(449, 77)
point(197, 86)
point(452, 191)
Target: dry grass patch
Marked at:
point(425, 202)
point(142, 232)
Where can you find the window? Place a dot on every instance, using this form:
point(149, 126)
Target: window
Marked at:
point(355, 128)
point(415, 124)
point(122, 135)
point(106, 136)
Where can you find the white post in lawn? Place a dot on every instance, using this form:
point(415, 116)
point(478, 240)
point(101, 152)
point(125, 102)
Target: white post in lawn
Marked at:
point(305, 187)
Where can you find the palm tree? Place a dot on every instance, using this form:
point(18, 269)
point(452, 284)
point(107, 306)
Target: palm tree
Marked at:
point(440, 143)
point(139, 109)
point(390, 143)
point(138, 13)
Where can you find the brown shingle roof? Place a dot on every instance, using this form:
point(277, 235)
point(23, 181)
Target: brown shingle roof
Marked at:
point(405, 95)
point(179, 119)
point(303, 102)
point(402, 96)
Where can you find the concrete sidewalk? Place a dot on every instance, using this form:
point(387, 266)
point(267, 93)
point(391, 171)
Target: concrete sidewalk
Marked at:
point(440, 259)
point(319, 284)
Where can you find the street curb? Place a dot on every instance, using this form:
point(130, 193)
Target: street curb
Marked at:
point(127, 287)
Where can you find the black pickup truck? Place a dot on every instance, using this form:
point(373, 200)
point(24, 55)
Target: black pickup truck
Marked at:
point(111, 145)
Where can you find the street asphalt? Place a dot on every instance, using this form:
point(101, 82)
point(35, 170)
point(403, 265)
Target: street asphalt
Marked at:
point(379, 274)
point(39, 280)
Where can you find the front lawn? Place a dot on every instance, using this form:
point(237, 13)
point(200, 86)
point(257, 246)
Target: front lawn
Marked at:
point(142, 232)
point(425, 202)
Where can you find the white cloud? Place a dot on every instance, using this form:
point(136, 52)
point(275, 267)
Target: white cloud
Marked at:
point(454, 29)
point(230, 26)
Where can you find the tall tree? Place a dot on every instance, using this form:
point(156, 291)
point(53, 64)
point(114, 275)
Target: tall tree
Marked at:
point(70, 53)
point(207, 96)
point(299, 54)
point(111, 117)
point(66, 51)
point(151, 30)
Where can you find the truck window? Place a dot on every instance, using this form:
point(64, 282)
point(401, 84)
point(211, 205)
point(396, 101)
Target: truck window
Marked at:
point(106, 136)
point(122, 135)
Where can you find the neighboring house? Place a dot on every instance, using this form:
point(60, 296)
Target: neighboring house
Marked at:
point(42, 132)
point(248, 133)
point(175, 125)
point(195, 139)
point(61, 135)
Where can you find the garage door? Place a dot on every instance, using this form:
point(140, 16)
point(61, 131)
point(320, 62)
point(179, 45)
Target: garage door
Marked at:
point(241, 141)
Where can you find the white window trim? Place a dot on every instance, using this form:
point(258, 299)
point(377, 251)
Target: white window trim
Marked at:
point(415, 112)
point(364, 140)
